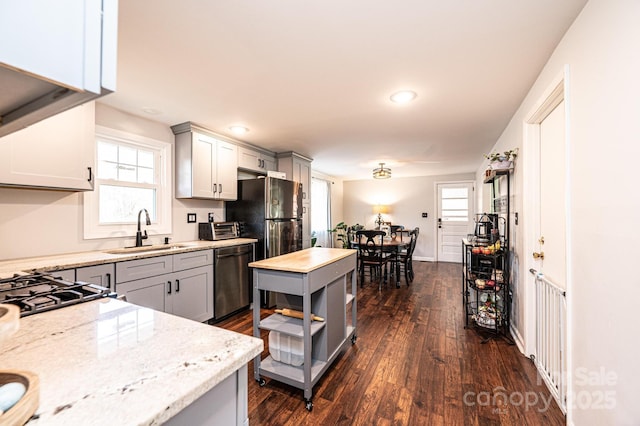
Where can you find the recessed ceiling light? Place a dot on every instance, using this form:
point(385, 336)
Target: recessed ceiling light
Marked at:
point(403, 96)
point(151, 111)
point(239, 130)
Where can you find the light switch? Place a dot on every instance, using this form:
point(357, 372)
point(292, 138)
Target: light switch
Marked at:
point(191, 218)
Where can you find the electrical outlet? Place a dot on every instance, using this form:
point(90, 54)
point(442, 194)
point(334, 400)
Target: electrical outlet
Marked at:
point(425, 214)
point(191, 218)
point(210, 217)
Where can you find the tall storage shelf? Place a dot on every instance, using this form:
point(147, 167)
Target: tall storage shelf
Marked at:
point(486, 283)
point(313, 281)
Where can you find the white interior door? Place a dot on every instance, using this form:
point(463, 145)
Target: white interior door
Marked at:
point(455, 219)
point(547, 330)
point(552, 215)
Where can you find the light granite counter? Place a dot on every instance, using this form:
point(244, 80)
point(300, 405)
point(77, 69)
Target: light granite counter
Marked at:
point(89, 258)
point(108, 362)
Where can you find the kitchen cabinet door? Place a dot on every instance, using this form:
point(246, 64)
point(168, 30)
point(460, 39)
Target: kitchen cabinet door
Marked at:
point(226, 171)
point(192, 294)
point(147, 292)
point(205, 167)
point(102, 275)
point(255, 161)
point(58, 152)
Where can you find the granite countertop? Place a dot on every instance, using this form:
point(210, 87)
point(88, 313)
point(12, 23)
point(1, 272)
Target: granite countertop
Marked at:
point(97, 257)
point(303, 261)
point(108, 362)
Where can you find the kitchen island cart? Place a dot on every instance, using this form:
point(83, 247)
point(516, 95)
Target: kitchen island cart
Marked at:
point(313, 281)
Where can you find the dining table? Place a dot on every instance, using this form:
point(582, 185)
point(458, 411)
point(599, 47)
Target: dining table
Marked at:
point(393, 246)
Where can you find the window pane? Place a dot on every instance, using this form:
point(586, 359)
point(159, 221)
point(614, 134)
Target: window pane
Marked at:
point(454, 193)
point(119, 204)
point(127, 155)
point(145, 175)
point(454, 203)
point(127, 173)
point(107, 151)
point(107, 170)
point(145, 159)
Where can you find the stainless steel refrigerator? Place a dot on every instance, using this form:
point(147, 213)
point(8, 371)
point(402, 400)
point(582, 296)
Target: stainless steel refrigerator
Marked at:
point(269, 210)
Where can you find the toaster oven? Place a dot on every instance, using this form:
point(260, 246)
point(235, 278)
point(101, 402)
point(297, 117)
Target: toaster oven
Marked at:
point(213, 231)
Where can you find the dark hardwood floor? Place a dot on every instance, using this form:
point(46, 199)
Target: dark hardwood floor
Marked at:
point(414, 363)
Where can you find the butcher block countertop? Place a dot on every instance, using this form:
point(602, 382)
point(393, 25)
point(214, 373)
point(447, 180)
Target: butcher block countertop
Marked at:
point(90, 258)
point(108, 362)
point(303, 261)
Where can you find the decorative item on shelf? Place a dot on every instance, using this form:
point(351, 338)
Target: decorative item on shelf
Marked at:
point(380, 209)
point(501, 160)
point(381, 172)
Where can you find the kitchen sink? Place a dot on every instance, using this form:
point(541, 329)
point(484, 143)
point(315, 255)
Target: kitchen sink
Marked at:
point(148, 249)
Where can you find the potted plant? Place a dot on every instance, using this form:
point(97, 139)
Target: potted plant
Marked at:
point(314, 239)
point(342, 231)
point(502, 160)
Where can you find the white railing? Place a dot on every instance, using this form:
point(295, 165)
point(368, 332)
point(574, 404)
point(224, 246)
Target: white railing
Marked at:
point(551, 330)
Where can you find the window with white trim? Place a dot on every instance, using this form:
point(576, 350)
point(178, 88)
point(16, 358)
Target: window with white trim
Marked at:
point(132, 173)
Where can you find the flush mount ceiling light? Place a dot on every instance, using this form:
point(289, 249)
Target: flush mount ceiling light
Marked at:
point(239, 130)
point(403, 96)
point(381, 172)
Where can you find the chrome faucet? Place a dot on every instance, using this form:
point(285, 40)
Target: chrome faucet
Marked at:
point(139, 236)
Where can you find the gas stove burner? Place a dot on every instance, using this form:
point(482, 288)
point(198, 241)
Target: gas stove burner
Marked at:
point(40, 292)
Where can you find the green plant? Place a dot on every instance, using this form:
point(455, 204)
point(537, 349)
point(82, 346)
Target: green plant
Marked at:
point(502, 156)
point(342, 232)
point(314, 238)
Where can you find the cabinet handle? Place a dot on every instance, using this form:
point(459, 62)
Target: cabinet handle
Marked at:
point(304, 195)
point(169, 287)
point(108, 275)
point(259, 162)
point(177, 286)
point(215, 188)
point(304, 210)
point(220, 188)
point(90, 174)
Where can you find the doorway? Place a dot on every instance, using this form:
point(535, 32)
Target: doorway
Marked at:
point(455, 218)
point(546, 203)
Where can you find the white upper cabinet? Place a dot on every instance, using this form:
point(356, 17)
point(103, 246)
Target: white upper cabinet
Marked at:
point(57, 153)
point(255, 160)
point(205, 167)
point(58, 57)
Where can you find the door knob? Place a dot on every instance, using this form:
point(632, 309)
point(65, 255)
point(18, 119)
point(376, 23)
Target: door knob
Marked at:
point(537, 255)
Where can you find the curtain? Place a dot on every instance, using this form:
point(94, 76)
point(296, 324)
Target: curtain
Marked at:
point(321, 211)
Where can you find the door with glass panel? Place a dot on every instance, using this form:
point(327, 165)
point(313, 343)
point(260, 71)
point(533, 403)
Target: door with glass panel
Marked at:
point(455, 219)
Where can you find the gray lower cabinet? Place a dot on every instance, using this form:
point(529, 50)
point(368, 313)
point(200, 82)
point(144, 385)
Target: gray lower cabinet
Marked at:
point(180, 284)
point(102, 275)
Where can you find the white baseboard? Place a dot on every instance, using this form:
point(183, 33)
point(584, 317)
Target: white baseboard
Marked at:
point(424, 259)
point(517, 338)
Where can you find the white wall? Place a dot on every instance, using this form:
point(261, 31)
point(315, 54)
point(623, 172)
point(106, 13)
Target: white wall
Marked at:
point(601, 50)
point(39, 222)
point(408, 198)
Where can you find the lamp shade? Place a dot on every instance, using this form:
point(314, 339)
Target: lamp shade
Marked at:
point(381, 209)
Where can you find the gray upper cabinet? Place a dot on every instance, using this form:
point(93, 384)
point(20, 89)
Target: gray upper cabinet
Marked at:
point(57, 58)
point(205, 166)
point(298, 168)
point(255, 160)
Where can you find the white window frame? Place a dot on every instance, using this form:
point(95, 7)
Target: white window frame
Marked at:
point(162, 223)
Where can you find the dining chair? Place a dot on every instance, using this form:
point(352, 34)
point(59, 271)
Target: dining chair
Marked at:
point(372, 255)
point(404, 259)
point(395, 230)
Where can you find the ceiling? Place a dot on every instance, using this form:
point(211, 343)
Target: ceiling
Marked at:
point(315, 76)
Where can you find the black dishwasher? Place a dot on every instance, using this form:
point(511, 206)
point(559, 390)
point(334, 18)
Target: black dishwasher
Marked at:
point(232, 291)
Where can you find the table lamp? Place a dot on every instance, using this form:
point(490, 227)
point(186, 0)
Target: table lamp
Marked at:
point(380, 209)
